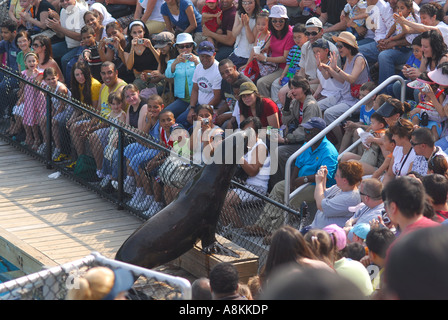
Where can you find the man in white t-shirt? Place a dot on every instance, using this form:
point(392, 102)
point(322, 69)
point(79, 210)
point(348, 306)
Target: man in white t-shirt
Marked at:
point(67, 26)
point(206, 83)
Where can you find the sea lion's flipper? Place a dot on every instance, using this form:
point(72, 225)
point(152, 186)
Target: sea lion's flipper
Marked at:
point(218, 248)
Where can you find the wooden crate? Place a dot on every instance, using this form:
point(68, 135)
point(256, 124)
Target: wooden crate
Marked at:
point(199, 264)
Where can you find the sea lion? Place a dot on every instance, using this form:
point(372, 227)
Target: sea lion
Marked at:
point(192, 216)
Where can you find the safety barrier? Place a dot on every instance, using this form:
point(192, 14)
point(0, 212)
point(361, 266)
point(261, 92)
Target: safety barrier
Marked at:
point(132, 149)
point(288, 194)
point(54, 283)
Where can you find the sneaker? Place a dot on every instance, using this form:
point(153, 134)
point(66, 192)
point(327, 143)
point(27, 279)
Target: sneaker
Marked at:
point(105, 181)
point(144, 204)
point(61, 157)
point(153, 209)
point(55, 154)
point(114, 184)
point(129, 185)
point(42, 149)
point(100, 174)
point(137, 197)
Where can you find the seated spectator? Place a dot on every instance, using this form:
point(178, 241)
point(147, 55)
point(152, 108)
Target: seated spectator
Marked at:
point(85, 89)
point(226, 40)
point(423, 141)
point(392, 110)
point(404, 153)
point(299, 111)
point(67, 27)
point(281, 42)
point(353, 75)
point(355, 18)
point(372, 204)
point(404, 199)
point(36, 19)
point(163, 42)
point(333, 203)
point(149, 11)
point(372, 156)
point(251, 103)
point(387, 148)
point(141, 57)
point(436, 187)
point(256, 167)
point(15, 7)
point(200, 289)
point(181, 17)
point(358, 235)
point(350, 128)
point(303, 173)
point(43, 48)
point(104, 16)
point(181, 69)
point(211, 15)
point(308, 66)
point(331, 12)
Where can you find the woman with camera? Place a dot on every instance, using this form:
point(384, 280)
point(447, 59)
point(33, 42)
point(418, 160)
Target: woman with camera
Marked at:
point(141, 57)
point(181, 70)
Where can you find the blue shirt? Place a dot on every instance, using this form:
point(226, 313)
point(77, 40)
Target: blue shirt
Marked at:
point(325, 155)
point(413, 62)
point(364, 115)
point(11, 50)
point(294, 56)
point(182, 22)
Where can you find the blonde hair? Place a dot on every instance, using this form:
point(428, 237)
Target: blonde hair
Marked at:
point(94, 285)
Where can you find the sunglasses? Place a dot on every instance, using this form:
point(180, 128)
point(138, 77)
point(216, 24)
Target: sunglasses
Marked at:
point(35, 45)
point(246, 3)
point(339, 46)
point(415, 143)
point(274, 21)
point(313, 33)
point(183, 46)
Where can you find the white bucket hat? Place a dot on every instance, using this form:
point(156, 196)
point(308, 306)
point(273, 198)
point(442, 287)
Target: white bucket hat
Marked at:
point(438, 77)
point(184, 38)
point(278, 11)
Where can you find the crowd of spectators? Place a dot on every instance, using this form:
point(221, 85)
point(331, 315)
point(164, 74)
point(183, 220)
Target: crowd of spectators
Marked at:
point(157, 66)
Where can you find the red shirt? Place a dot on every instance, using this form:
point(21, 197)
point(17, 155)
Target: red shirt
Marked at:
point(269, 108)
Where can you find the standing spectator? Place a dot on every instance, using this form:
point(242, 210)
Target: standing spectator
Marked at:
point(224, 282)
point(8, 58)
point(149, 11)
point(333, 203)
point(282, 40)
point(226, 40)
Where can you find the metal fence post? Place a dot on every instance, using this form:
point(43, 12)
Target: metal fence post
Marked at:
point(120, 168)
point(49, 136)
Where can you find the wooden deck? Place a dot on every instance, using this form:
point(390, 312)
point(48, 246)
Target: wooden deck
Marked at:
point(46, 221)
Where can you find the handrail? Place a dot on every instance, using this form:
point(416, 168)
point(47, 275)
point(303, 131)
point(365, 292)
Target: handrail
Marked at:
point(287, 195)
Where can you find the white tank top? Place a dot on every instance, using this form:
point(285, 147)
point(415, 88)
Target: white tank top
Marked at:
point(261, 180)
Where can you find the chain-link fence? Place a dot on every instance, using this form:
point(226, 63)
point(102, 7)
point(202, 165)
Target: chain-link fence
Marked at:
point(54, 283)
point(122, 164)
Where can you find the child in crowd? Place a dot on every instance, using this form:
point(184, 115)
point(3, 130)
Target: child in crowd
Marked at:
point(60, 114)
point(88, 53)
point(387, 148)
point(212, 18)
point(406, 9)
point(278, 92)
point(117, 115)
point(328, 86)
point(367, 109)
point(137, 154)
point(34, 102)
point(355, 17)
point(166, 120)
point(425, 113)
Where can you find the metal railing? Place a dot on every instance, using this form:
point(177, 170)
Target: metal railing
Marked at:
point(53, 283)
point(346, 114)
